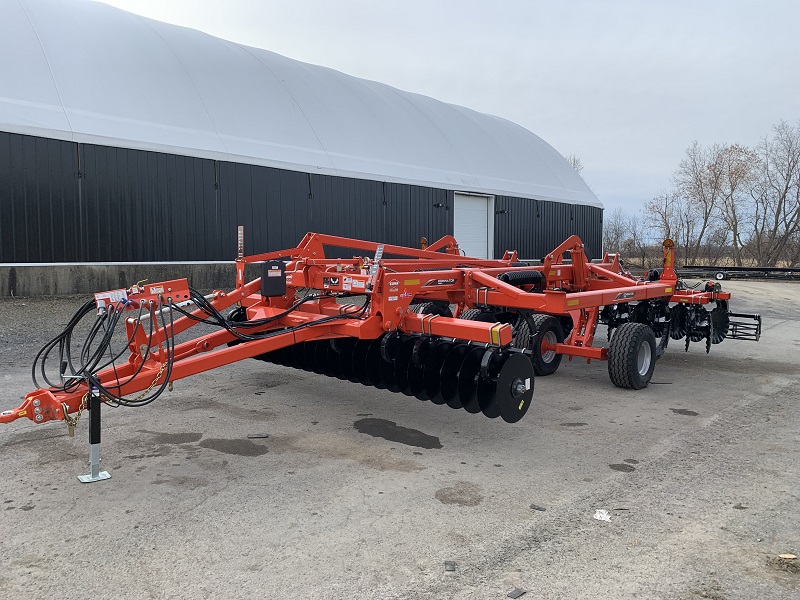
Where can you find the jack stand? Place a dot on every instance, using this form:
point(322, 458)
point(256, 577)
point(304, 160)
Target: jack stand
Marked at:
point(94, 442)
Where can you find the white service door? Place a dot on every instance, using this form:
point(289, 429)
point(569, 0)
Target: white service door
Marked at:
point(473, 225)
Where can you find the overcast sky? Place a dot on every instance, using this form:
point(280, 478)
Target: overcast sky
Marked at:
point(626, 85)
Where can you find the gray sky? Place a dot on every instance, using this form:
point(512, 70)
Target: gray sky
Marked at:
point(626, 85)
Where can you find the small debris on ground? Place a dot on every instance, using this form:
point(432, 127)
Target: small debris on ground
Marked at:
point(537, 507)
point(739, 506)
point(516, 593)
point(784, 562)
point(257, 436)
point(449, 565)
point(602, 515)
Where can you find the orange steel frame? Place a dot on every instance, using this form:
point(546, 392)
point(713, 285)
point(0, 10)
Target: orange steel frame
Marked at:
point(578, 288)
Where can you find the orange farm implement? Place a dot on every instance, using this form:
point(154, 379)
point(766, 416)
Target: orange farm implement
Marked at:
point(431, 324)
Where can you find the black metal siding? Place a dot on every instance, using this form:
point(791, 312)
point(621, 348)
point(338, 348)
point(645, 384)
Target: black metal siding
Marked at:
point(534, 227)
point(67, 202)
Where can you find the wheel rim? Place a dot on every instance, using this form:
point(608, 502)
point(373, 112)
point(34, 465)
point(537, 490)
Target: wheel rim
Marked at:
point(643, 359)
point(550, 338)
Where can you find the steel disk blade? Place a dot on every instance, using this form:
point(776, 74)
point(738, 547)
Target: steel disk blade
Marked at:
point(416, 378)
point(333, 358)
point(360, 352)
point(431, 372)
point(487, 388)
point(514, 387)
point(401, 364)
point(387, 375)
point(346, 359)
point(373, 364)
point(278, 356)
point(450, 368)
point(321, 349)
point(321, 356)
point(468, 380)
point(298, 357)
point(310, 356)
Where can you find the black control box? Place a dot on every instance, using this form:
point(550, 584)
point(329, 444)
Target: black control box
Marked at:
point(273, 278)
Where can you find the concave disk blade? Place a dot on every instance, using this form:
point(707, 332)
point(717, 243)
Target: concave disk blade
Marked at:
point(310, 355)
point(514, 387)
point(401, 364)
point(431, 372)
point(298, 358)
point(392, 343)
point(321, 356)
point(346, 359)
point(373, 364)
point(360, 361)
point(468, 380)
point(450, 368)
point(281, 356)
point(488, 387)
point(416, 375)
point(333, 357)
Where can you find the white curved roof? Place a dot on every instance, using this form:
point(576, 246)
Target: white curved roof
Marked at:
point(87, 72)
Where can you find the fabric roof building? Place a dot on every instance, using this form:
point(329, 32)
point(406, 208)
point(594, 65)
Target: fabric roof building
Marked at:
point(86, 72)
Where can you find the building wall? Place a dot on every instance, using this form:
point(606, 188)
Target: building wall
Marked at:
point(67, 202)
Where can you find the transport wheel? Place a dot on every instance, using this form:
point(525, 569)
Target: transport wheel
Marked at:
point(432, 308)
point(719, 276)
point(476, 314)
point(632, 356)
point(546, 329)
point(521, 333)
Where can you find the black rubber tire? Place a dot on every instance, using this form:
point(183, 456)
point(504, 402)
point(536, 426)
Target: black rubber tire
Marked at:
point(632, 356)
point(521, 333)
point(476, 314)
point(431, 308)
point(545, 327)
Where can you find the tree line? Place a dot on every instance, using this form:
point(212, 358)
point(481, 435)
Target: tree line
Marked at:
point(728, 205)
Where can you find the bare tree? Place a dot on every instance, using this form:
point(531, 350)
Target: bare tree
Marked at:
point(737, 165)
point(698, 181)
point(776, 196)
point(575, 161)
point(614, 227)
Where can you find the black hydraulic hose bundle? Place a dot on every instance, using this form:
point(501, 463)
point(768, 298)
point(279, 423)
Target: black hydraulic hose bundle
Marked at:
point(96, 353)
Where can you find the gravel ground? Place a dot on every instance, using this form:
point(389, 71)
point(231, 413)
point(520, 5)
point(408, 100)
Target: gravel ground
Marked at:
point(258, 481)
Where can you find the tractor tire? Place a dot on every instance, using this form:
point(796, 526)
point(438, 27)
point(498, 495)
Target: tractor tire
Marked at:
point(476, 314)
point(521, 333)
point(431, 308)
point(632, 356)
point(548, 328)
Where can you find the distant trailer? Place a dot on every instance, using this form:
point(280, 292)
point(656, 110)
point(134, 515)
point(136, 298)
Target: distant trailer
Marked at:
point(722, 273)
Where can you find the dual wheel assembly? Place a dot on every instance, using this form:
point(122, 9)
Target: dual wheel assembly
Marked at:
point(491, 381)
